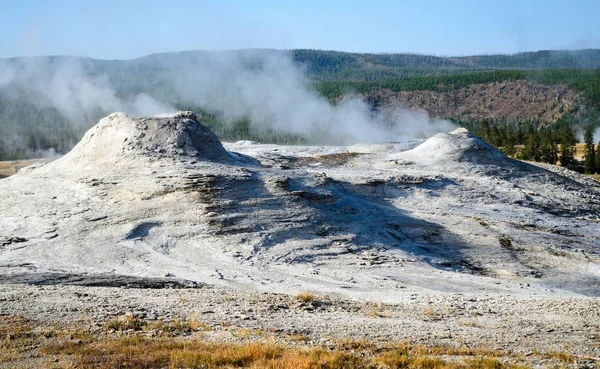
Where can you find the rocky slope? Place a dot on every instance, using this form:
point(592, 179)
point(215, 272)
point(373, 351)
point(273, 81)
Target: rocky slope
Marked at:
point(508, 100)
point(161, 200)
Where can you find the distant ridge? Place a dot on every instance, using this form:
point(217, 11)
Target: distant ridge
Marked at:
point(319, 61)
point(540, 87)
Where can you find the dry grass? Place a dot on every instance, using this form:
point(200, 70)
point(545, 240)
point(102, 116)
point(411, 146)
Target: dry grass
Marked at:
point(560, 356)
point(8, 168)
point(432, 314)
point(296, 337)
point(144, 353)
point(130, 322)
point(377, 311)
point(24, 343)
point(307, 297)
point(247, 333)
point(579, 151)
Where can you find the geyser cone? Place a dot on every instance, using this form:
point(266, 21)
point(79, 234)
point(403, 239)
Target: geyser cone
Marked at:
point(457, 146)
point(161, 198)
point(119, 137)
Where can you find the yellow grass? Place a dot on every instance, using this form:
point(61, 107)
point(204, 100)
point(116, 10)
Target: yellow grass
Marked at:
point(127, 344)
point(8, 168)
point(377, 313)
point(307, 297)
point(579, 151)
point(561, 356)
point(143, 353)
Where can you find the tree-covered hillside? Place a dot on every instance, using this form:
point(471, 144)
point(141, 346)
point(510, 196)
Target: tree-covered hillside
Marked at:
point(49, 102)
point(585, 81)
point(339, 66)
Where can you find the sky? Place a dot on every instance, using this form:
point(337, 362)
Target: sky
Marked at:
point(126, 29)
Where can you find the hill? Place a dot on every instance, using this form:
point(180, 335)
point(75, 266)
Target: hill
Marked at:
point(152, 228)
point(340, 66)
point(149, 197)
point(47, 103)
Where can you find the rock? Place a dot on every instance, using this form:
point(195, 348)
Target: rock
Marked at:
point(189, 213)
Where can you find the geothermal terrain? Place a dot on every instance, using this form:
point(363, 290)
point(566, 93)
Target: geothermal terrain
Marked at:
point(440, 241)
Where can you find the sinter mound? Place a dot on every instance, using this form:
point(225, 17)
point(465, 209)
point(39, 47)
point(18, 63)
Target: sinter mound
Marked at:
point(457, 146)
point(162, 198)
point(120, 137)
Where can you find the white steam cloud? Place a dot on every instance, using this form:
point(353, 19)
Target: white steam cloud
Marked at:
point(273, 92)
point(64, 85)
point(264, 86)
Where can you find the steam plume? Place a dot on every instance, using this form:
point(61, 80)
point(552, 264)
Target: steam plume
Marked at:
point(264, 86)
point(272, 91)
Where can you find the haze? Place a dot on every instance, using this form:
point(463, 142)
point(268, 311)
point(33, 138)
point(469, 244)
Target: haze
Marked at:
point(123, 30)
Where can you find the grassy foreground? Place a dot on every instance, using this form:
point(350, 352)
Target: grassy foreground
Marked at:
point(130, 342)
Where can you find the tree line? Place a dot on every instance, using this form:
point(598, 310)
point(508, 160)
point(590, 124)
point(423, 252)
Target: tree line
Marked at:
point(28, 131)
point(28, 127)
point(587, 82)
point(552, 144)
point(321, 65)
point(591, 158)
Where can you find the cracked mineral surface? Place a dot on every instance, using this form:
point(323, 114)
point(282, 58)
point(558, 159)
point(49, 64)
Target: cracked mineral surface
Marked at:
point(162, 199)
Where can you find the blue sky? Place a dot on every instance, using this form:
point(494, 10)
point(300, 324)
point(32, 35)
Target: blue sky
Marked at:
point(125, 29)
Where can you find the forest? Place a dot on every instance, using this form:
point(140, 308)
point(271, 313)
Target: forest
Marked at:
point(585, 81)
point(30, 128)
point(555, 144)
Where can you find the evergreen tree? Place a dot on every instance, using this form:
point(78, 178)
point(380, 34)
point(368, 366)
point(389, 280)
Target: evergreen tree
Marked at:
point(531, 149)
point(589, 161)
point(483, 131)
point(567, 147)
point(509, 149)
point(548, 148)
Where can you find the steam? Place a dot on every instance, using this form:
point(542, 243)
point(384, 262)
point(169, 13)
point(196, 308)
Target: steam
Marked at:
point(64, 85)
point(265, 87)
point(268, 88)
point(580, 135)
point(47, 154)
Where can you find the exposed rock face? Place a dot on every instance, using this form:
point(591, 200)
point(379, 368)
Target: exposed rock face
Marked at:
point(162, 198)
point(508, 100)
